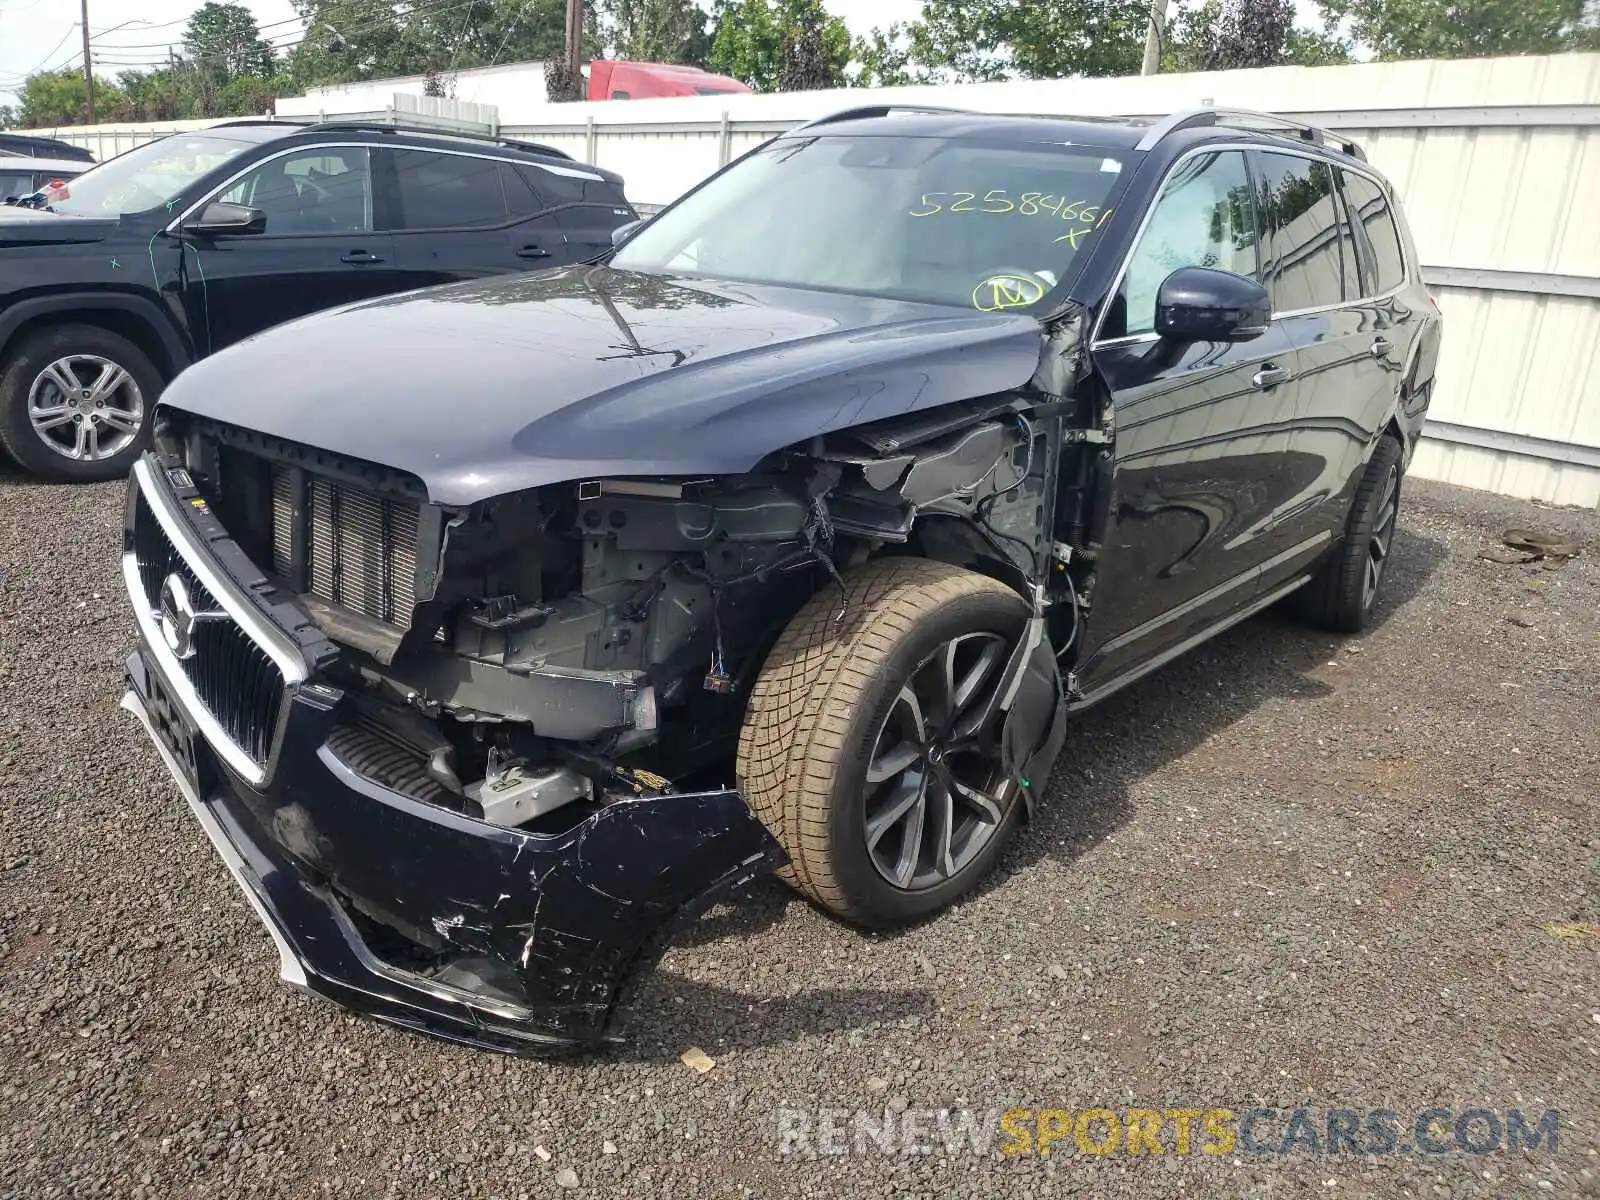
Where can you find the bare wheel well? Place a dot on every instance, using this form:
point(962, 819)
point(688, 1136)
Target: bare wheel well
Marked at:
point(119, 321)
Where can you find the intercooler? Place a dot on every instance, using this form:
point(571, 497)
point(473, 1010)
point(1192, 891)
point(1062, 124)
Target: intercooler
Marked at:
point(350, 546)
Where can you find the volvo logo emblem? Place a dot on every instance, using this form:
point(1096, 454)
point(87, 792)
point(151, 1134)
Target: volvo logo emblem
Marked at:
point(179, 617)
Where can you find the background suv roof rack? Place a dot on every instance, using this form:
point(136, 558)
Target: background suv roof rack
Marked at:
point(419, 130)
point(1247, 118)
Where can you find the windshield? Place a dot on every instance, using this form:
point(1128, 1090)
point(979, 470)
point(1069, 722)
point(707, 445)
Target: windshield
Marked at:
point(939, 220)
point(146, 176)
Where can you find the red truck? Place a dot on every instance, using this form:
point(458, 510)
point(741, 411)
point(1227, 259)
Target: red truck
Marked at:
point(618, 79)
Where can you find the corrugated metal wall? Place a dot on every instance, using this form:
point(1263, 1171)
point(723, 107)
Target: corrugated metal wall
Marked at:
point(1497, 162)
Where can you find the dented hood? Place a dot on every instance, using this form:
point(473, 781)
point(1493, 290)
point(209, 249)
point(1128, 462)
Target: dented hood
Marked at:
point(490, 387)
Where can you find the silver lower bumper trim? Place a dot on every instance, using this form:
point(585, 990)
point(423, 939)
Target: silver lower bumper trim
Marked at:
point(289, 968)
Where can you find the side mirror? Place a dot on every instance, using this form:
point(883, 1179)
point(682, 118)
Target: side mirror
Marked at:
point(1200, 304)
point(621, 234)
point(219, 217)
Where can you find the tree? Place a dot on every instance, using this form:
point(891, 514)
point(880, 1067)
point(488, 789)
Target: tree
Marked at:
point(224, 43)
point(791, 45)
point(970, 40)
point(665, 31)
point(1397, 29)
point(50, 98)
point(1217, 35)
point(8, 117)
point(350, 40)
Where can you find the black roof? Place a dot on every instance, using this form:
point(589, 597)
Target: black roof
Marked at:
point(31, 145)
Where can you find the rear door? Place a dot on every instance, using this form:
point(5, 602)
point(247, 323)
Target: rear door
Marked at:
point(466, 216)
point(1315, 274)
point(1200, 460)
point(318, 250)
point(587, 204)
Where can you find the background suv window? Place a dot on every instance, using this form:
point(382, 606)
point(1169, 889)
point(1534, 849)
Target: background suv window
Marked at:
point(1383, 261)
point(1306, 268)
point(320, 190)
point(1204, 218)
point(452, 191)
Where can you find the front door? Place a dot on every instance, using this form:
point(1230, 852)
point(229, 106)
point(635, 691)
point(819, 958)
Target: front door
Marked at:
point(1201, 462)
point(318, 250)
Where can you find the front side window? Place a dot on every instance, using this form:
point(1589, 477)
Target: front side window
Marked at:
point(1306, 269)
point(146, 177)
point(940, 220)
point(1203, 218)
point(1383, 261)
point(448, 191)
point(327, 189)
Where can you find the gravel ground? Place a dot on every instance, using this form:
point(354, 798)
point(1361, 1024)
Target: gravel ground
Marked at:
point(1288, 871)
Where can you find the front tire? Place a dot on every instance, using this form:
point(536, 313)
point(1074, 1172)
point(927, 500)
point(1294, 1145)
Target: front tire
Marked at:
point(1343, 593)
point(863, 750)
point(76, 403)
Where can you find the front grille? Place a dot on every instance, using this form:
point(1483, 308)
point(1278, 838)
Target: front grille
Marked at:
point(360, 548)
point(234, 678)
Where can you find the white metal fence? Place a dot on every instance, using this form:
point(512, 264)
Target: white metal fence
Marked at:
point(1497, 162)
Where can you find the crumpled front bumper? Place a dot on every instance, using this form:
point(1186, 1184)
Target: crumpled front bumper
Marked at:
point(530, 942)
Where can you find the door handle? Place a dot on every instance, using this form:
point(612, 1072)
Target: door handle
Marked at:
point(360, 256)
point(533, 252)
point(1270, 376)
point(1381, 348)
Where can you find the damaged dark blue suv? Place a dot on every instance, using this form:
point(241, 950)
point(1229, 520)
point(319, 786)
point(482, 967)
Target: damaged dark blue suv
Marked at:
point(495, 630)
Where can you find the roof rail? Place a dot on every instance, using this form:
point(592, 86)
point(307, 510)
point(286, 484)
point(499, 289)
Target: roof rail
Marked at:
point(418, 129)
point(866, 111)
point(1246, 118)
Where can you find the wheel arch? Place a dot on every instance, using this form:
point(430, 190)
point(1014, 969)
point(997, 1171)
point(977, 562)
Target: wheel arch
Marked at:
point(131, 317)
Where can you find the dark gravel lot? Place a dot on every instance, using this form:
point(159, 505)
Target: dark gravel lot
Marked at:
point(1288, 871)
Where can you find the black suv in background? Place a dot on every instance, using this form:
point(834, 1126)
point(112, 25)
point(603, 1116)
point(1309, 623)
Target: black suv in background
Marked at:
point(181, 247)
point(494, 630)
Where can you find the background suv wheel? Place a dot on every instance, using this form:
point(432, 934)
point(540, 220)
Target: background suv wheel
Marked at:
point(1342, 594)
point(76, 403)
point(865, 749)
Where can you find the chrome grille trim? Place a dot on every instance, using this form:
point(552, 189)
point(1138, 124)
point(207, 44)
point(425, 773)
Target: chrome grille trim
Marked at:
point(263, 662)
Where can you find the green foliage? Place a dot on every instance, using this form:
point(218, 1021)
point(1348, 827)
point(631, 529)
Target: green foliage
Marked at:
point(1397, 29)
point(664, 31)
point(969, 40)
point(779, 45)
point(1215, 36)
point(51, 98)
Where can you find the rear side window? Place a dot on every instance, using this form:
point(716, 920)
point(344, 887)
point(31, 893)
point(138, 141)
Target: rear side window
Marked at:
point(16, 183)
point(1384, 265)
point(572, 185)
point(1305, 268)
point(449, 191)
point(1203, 218)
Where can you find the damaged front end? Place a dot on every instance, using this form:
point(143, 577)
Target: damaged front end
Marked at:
point(470, 763)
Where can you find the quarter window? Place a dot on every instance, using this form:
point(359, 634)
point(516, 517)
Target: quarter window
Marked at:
point(1306, 267)
point(1204, 218)
point(1373, 219)
point(448, 191)
point(325, 190)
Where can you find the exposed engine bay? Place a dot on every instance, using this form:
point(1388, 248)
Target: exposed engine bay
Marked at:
point(578, 642)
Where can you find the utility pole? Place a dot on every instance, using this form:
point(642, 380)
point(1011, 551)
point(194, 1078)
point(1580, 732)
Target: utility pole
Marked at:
point(574, 43)
point(1154, 38)
point(88, 67)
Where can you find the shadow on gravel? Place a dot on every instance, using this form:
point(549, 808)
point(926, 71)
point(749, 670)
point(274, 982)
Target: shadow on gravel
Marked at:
point(1167, 714)
point(1109, 749)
